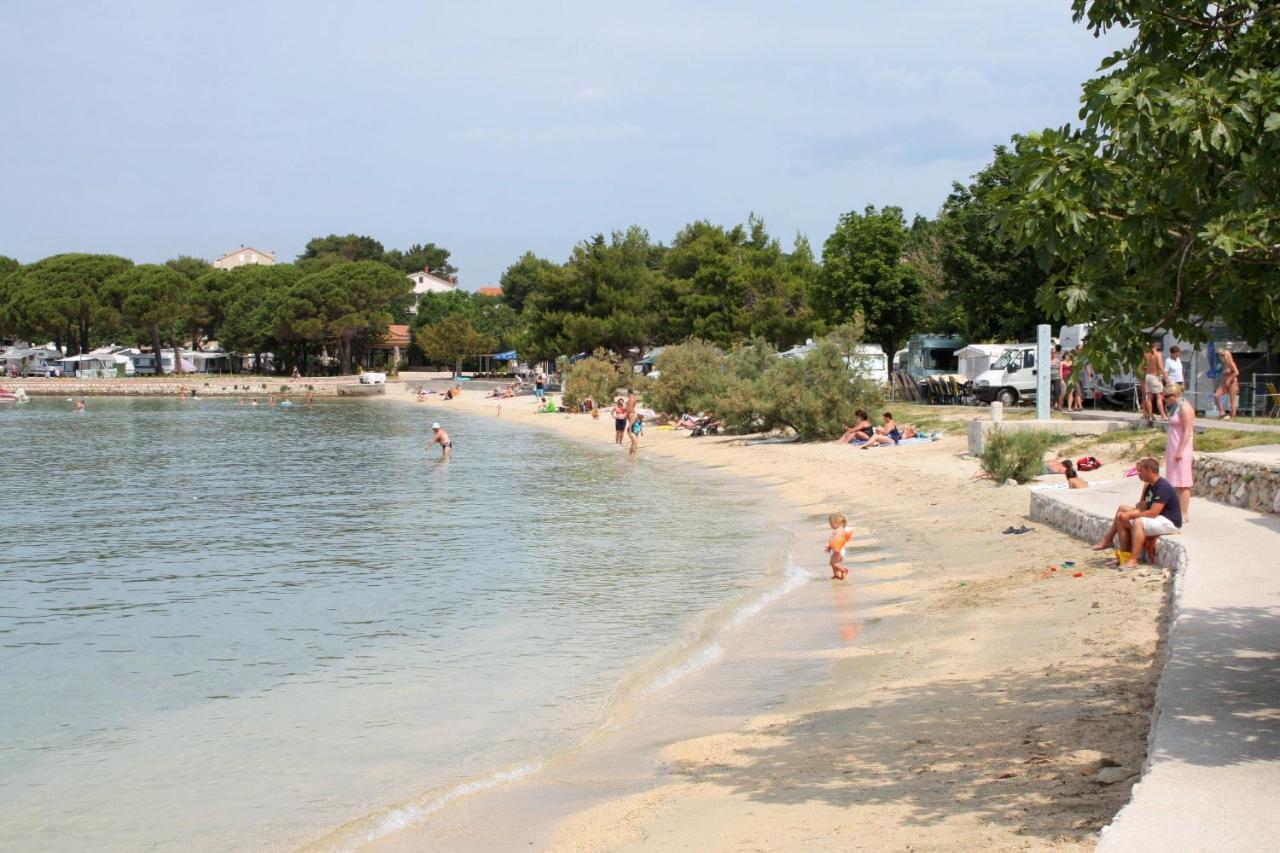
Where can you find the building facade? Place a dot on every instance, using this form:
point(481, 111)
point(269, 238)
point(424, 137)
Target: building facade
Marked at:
point(425, 282)
point(243, 257)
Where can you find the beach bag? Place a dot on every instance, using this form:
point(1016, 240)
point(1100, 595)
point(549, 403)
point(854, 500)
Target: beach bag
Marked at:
point(1088, 463)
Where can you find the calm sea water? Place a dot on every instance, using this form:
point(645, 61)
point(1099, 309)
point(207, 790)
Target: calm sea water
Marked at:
point(228, 627)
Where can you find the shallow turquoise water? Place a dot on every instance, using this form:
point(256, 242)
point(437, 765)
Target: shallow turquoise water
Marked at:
point(227, 627)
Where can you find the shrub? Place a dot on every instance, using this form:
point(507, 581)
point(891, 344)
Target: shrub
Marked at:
point(1015, 455)
point(815, 396)
point(595, 376)
point(691, 377)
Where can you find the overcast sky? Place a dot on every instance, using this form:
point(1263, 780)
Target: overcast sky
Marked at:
point(153, 129)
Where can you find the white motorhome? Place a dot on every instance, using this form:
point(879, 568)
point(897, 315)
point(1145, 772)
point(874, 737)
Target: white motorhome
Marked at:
point(869, 359)
point(1011, 378)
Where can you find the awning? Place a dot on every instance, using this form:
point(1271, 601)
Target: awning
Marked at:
point(509, 355)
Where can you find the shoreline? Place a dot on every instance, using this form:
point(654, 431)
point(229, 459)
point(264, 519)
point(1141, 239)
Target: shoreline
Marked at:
point(1078, 654)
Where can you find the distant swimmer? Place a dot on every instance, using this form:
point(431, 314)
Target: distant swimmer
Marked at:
point(442, 438)
point(79, 405)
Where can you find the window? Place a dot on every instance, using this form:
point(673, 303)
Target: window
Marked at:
point(1029, 359)
point(243, 259)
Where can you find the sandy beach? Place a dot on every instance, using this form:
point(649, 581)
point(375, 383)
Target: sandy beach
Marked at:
point(982, 723)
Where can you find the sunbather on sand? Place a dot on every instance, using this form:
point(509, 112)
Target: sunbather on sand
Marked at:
point(862, 430)
point(888, 433)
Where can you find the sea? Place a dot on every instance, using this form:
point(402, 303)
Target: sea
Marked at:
point(227, 626)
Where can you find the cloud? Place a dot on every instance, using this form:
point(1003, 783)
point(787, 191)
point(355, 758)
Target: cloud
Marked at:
point(592, 94)
point(520, 137)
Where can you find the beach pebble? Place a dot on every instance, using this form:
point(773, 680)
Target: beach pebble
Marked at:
point(1095, 605)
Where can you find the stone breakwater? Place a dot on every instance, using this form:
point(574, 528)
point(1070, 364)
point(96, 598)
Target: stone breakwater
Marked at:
point(203, 384)
point(1248, 484)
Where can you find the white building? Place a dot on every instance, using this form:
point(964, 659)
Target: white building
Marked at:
point(245, 256)
point(425, 282)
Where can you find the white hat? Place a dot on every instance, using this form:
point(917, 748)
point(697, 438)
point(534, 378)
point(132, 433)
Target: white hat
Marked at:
point(435, 426)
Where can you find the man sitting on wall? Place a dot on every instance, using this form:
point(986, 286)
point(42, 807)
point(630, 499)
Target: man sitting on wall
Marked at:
point(1158, 513)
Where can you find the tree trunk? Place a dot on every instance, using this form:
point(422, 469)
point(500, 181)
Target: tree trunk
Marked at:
point(344, 351)
point(177, 352)
point(155, 347)
point(457, 367)
point(84, 336)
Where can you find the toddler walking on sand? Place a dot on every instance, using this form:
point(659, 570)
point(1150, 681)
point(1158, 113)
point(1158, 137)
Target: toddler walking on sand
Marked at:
point(840, 537)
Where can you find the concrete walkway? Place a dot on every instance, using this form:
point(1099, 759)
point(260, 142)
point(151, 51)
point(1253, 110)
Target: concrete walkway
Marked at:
point(1138, 420)
point(1212, 780)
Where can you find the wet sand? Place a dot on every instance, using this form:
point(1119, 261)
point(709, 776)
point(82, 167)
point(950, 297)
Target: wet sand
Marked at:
point(953, 694)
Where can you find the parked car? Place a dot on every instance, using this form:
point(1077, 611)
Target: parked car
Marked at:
point(1011, 379)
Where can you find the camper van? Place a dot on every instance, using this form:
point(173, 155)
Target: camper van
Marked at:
point(869, 359)
point(931, 355)
point(1011, 378)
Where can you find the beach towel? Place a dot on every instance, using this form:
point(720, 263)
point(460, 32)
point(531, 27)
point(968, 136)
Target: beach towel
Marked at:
point(923, 439)
point(1053, 487)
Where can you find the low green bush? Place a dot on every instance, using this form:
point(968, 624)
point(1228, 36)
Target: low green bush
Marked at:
point(691, 378)
point(1016, 455)
point(593, 376)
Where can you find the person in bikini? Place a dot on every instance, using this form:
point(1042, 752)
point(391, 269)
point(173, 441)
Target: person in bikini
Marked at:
point(1230, 385)
point(441, 437)
point(840, 536)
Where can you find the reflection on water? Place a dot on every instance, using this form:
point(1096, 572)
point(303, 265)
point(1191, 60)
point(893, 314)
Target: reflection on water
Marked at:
point(227, 627)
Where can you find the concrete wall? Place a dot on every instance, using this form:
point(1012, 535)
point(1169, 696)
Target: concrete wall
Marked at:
point(1048, 508)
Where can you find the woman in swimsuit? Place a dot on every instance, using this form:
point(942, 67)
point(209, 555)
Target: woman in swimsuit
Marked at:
point(1230, 385)
point(887, 434)
point(862, 430)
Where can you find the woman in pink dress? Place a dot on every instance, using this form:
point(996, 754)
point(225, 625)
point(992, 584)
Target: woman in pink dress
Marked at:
point(1179, 444)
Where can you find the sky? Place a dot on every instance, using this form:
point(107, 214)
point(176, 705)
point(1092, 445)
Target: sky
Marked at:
point(156, 129)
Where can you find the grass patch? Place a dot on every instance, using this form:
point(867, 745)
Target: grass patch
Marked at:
point(1151, 442)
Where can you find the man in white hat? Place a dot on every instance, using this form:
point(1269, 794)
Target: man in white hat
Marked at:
point(442, 439)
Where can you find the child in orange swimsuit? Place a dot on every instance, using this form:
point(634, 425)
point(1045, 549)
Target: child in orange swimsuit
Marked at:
point(840, 537)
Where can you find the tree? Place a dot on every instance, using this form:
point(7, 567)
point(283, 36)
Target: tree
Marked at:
point(600, 298)
point(321, 252)
point(421, 256)
point(691, 378)
point(864, 275)
point(190, 267)
point(1160, 210)
point(990, 283)
point(8, 276)
point(523, 278)
point(346, 304)
point(60, 296)
point(723, 286)
point(451, 340)
point(150, 299)
point(596, 377)
point(250, 302)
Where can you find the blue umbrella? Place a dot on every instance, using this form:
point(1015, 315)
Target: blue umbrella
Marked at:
point(1215, 369)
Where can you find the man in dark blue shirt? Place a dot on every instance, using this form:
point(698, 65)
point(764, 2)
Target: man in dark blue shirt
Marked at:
point(1158, 513)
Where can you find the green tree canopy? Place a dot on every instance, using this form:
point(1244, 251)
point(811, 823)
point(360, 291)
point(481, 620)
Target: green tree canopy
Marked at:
point(523, 278)
point(1160, 209)
point(990, 283)
point(420, 256)
point(149, 301)
point(60, 296)
point(600, 298)
point(190, 267)
point(452, 339)
point(347, 247)
point(724, 286)
point(344, 304)
point(865, 276)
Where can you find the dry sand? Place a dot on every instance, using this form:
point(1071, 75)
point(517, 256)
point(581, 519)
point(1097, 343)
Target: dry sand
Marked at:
point(982, 729)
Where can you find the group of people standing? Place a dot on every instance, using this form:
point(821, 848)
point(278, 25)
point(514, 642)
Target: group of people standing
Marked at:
point(627, 421)
point(1066, 393)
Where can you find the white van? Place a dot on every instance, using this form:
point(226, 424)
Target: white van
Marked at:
point(1011, 378)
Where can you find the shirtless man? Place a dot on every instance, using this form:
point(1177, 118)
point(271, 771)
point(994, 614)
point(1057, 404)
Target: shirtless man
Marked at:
point(1153, 381)
point(631, 407)
point(1230, 385)
point(442, 438)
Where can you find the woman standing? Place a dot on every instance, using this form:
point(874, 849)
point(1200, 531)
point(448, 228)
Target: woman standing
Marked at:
point(1225, 396)
point(1179, 445)
point(619, 421)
